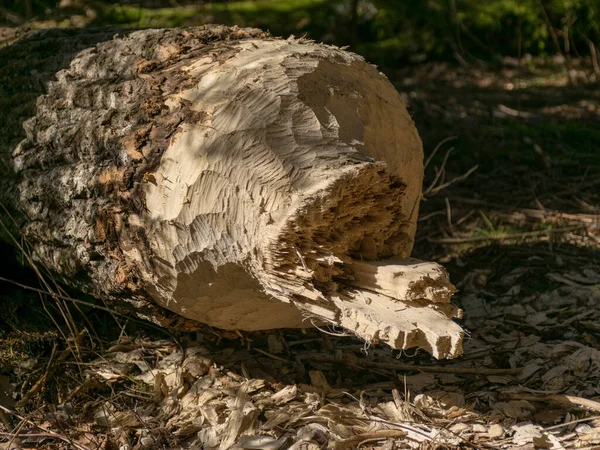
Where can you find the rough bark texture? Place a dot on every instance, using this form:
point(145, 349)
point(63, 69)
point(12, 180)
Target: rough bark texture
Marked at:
point(232, 178)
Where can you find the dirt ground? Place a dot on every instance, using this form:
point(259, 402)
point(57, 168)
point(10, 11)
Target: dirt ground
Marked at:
point(511, 208)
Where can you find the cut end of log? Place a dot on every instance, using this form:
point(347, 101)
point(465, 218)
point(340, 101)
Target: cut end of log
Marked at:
point(333, 257)
point(356, 216)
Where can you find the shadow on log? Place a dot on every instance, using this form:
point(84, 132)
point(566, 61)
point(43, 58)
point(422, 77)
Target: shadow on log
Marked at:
point(235, 179)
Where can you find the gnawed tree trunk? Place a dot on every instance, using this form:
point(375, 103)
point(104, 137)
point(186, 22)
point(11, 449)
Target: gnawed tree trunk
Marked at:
point(235, 179)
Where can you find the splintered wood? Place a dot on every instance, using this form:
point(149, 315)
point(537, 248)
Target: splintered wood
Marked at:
point(404, 303)
point(228, 177)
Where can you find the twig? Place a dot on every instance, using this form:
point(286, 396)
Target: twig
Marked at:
point(571, 422)
point(303, 341)
point(503, 236)
point(50, 369)
point(462, 177)
point(439, 172)
point(418, 368)
point(585, 218)
point(42, 279)
point(49, 433)
point(592, 236)
point(562, 399)
point(103, 308)
point(41, 381)
point(465, 217)
point(437, 147)
point(359, 439)
point(271, 355)
point(425, 217)
point(412, 429)
point(449, 215)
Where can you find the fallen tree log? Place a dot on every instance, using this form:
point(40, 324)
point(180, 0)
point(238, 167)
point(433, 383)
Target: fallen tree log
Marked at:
point(234, 179)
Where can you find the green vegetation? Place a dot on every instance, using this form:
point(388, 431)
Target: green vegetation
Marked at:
point(390, 31)
point(387, 32)
point(492, 230)
point(470, 29)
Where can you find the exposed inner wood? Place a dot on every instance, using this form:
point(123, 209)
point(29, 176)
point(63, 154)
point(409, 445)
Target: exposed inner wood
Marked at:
point(406, 279)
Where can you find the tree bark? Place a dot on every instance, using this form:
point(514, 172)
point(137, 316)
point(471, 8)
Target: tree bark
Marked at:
point(234, 179)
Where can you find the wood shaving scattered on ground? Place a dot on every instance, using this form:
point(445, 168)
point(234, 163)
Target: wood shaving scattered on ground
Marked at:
point(529, 378)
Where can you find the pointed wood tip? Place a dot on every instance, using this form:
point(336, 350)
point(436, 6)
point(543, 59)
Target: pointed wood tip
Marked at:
point(401, 325)
point(404, 303)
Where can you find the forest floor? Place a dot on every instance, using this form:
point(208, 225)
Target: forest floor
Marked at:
point(520, 236)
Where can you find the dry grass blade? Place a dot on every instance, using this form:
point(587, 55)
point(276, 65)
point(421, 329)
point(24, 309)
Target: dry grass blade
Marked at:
point(101, 308)
point(59, 299)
